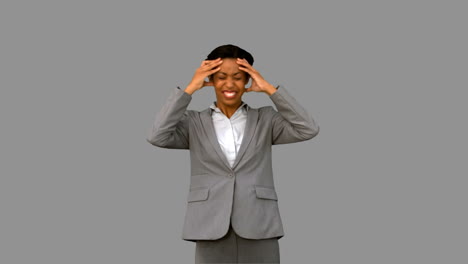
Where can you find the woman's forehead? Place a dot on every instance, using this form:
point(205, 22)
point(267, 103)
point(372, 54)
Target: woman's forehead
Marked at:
point(229, 67)
point(229, 73)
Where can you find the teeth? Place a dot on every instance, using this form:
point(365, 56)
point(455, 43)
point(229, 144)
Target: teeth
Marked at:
point(229, 94)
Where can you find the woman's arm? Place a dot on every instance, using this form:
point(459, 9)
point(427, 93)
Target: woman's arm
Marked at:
point(290, 123)
point(170, 128)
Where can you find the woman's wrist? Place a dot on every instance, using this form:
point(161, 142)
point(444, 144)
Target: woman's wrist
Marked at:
point(270, 90)
point(190, 89)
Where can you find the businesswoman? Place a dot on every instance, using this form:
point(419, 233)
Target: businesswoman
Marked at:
point(232, 205)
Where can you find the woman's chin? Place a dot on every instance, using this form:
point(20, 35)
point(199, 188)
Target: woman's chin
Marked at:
point(230, 102)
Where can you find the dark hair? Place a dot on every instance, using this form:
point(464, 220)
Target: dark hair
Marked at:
point(231, 51)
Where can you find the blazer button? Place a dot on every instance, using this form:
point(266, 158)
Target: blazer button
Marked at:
point(230, 174)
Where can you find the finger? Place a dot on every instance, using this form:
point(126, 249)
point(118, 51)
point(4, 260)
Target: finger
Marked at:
point(207, 83)
point(248, 89)
point(205, 62)
point(243, 61)
point(213, 70)
point(212, 61)
point(246, 65)
point(215, 60)
point(212, 64)
point(249, 71)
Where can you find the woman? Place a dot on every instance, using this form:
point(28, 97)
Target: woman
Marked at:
point(232, 206)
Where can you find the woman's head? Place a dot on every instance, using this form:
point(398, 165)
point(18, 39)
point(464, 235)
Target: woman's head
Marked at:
point(229, 82)
point(230, 51)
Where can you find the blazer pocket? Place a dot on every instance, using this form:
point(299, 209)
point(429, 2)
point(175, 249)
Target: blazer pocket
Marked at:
point(198, 194)
point(265, 193)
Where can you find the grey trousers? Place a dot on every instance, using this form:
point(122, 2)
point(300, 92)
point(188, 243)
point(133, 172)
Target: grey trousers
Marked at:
point(234, 249)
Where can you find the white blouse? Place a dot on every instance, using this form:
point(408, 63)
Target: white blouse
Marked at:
point(229, 131)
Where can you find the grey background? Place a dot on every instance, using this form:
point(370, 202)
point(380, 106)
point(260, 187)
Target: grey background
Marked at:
point(81, 82)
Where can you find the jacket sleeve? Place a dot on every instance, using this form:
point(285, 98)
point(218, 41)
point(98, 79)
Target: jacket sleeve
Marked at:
point(290, 123)
point(170, 128)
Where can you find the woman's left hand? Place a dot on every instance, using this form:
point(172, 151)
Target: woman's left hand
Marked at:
point(258, 83)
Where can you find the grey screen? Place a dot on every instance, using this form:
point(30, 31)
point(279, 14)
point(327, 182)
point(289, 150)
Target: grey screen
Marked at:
point(81, 82)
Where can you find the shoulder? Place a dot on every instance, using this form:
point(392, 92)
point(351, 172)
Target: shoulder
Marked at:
point(194, 114)
point(265, 112)
point(266, 109)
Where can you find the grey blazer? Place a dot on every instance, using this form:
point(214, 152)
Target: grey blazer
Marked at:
point(244, 194)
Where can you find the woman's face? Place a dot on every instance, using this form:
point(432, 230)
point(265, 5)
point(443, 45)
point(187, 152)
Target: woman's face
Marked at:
point(229, 83)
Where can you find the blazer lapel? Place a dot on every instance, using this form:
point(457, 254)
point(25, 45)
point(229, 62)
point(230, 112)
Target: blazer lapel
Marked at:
point(210, 131)
point(250, 127)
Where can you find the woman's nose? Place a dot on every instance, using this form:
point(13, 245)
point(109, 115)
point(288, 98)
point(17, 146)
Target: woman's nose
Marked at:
point(229, 83)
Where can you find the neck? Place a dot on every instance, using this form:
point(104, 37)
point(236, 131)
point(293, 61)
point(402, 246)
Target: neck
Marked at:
point(228, 110)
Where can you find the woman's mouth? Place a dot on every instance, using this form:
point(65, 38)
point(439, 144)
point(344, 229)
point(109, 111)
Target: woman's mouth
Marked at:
point(229, 94)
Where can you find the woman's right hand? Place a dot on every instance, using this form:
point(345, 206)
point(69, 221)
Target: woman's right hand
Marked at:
point(207, 68)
